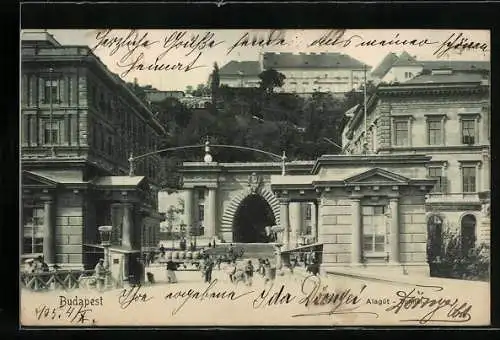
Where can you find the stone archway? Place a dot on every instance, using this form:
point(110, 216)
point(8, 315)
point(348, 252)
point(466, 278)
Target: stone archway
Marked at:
point(232, 208)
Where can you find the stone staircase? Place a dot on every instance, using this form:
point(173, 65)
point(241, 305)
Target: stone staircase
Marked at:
point(251, 250)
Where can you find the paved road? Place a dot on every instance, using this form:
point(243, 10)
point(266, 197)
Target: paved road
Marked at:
point(289, 300)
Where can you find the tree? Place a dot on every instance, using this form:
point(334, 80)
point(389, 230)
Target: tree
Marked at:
point(201, 91)
point(270, 79)
point(189, 89)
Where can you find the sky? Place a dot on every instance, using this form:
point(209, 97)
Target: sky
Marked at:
point(169, 47)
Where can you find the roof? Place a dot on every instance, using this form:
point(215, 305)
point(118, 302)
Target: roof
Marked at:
point(445, 79)
point(313, 60)
point(457, 65)
point(406, 60)
point(247, 68)
point(385, 65)
point(118, 180)
point(60, 177)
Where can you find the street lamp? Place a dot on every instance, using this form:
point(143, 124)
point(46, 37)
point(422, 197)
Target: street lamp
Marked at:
point(183, 231)
point(105, 232)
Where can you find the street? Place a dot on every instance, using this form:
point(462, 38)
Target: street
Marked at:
point(292, 299)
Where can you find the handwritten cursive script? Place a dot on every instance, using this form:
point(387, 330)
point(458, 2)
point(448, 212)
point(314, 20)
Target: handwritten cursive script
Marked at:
point(208, 293)
point(416, 299)
point(132, 295)
point(340, 301)
point(458, 42)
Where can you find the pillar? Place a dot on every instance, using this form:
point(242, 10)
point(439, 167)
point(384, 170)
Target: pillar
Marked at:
point(116, 222)
point(212, 213)
point(189, 210)
point(296, 221)
point(394, 240)
point(127, 226)
point(314, 221)
point(49, 235)
point(356, 231)
point(285, 222)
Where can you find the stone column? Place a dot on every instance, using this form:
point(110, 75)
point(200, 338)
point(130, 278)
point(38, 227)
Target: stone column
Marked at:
point(127, 226)
point(212, 213)
point(314, 221)
point(285, 222)
point(49, 235)
point(394, 240)
point(116, 222)
point(356, 231)
point(189, 210)
point(295, 223)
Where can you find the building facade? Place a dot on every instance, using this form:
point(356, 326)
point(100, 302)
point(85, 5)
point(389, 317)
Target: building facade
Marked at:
point(79, 125)
point(305, 73)
point(399, 69)
point(444, 114)
point(370, 211)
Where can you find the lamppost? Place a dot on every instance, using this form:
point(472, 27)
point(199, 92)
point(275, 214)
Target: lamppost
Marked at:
point(105, 232)
point(183, 233)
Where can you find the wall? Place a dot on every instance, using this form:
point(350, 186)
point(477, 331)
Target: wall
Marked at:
point(69, 229)
point(335, 221)
point(399, 73)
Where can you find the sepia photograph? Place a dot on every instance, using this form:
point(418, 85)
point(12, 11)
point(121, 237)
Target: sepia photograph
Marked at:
point(254, 177)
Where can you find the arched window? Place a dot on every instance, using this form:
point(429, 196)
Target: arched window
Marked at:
point(435, 236)
point(468, 233)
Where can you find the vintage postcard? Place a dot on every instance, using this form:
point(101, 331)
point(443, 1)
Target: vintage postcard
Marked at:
point(326, 177)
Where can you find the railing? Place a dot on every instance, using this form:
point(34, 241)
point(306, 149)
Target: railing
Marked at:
point(60, 279)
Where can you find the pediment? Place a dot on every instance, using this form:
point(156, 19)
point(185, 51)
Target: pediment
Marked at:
point(30, 179)
point(377, 176)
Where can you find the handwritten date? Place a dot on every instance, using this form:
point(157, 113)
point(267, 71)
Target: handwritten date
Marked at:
point(77, 315)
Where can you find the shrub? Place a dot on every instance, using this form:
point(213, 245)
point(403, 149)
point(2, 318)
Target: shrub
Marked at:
point(457, 263)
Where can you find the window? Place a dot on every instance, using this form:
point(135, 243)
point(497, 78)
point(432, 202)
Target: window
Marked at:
point(401, 135)
point(437, 173)
point(201, 212)
point(308, 212)
point(374, 229)
point(51, 92)
point(468, 131)
point(469, 178)
point(51, 133)
point(434, 132)
point(408, 75)
point(33, 230)
point(435, 234)
point(201, 194)
point(468, 233)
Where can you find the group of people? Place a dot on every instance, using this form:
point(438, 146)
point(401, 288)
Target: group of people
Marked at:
point(37, 265)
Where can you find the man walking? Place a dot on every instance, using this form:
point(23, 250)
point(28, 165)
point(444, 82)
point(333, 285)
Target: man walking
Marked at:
point(100, 274)
point(249, 272)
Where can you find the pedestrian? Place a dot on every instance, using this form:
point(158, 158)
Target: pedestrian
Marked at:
point(249, 272)
point(100, 274)
point(171, 268)
point(209, 244)
point(268, 271)
point(209, 266)
point(231, 270)
point(213, 244)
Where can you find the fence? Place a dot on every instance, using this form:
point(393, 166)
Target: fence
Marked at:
point(60, 279)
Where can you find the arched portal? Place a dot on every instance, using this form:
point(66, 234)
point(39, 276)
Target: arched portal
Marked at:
point(253, 215)
point(468, 232)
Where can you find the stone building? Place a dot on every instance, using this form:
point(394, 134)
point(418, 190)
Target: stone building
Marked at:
point(370, 211)
point(305, 73)
point(79, 124)
point(443, 113)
